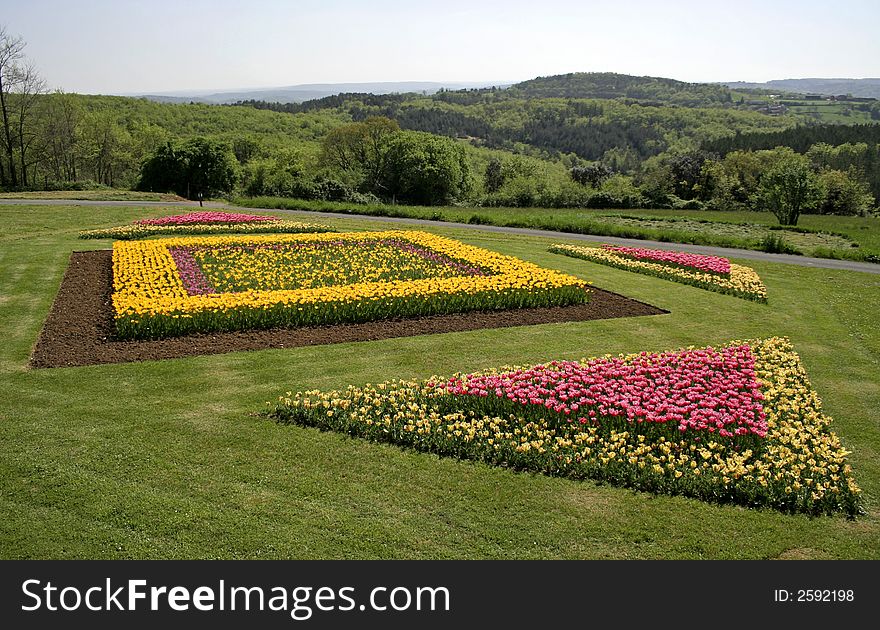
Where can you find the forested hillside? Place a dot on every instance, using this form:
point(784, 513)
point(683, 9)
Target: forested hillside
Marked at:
point(597, 116)
point(608, 85)
point(578, 140)
point(73, 138)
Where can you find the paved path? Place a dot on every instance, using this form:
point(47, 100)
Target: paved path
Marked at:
point(748, 254)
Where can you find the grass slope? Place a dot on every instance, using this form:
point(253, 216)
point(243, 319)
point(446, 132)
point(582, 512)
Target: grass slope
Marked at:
point(101, 194)
point(168, 459)
point(705, 227)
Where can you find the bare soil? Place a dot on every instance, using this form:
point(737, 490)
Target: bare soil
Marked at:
point(79, 330)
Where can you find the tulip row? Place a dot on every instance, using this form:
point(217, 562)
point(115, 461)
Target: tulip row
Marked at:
point(700, 390)
point(141, 230)
point(741, 281)
point(175, 286)
point(202, 218)
point(684, 260)
point(795, 463)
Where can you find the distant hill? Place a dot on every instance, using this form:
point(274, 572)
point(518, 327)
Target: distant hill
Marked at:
point(609, 85)
point(312, 91)
point(619, 119)
point(856, 87)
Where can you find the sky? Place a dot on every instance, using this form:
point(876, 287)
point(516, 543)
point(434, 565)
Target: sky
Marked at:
point(98, 46)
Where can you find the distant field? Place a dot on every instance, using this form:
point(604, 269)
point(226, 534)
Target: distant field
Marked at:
point(746, 230)
point(171, 459)
point(93, 195)
point(825, 112)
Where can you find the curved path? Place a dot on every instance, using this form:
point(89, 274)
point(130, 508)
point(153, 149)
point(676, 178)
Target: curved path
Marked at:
point(748, 254)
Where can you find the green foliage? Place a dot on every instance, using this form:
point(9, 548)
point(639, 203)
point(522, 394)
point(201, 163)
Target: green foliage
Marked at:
point(841, 147)
point(281, 174)
point(106, 139)
point(193, 169)
point(608, 85)
point(790, 187)
point(800, 138)
point(361, 148)
point(844, 194)
point(619, 130)
point(591, 175)
point(425, 169)
point(493, 179)
point(775, 244)
point(523, 144)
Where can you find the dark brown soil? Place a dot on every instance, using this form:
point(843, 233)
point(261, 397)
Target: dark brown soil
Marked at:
point(79, 329)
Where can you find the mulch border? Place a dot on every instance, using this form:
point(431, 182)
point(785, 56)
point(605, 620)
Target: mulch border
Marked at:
point(79, 329)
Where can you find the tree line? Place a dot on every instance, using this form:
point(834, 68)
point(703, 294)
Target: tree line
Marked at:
point(551, 127)
point(404, 148)
point(799, 138)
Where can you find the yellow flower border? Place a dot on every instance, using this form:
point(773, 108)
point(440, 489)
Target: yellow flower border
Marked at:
point(146, 283)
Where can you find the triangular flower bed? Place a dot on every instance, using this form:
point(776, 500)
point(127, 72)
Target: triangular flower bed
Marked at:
point(736, 424)
point(706, 272)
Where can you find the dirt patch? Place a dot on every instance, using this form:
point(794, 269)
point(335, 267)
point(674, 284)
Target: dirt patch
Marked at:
point(79, 329)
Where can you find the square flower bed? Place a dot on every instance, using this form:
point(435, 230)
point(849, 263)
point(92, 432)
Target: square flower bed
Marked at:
point(738, 424)
point(707, 272)
point(175, 286)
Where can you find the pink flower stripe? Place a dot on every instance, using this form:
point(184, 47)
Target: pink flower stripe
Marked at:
point(703, 390)
point(194, 280)
point(207, 217)
point(708, 264)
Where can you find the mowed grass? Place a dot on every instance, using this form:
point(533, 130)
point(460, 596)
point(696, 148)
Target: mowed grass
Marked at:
point(172, 459)
point(746, 230)
point(102, 194)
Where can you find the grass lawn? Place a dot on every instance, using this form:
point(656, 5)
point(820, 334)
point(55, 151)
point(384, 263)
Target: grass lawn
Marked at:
point(170, 459)
point(702, 227)
point(108, 194)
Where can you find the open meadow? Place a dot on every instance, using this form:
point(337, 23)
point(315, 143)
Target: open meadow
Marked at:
point(178, 459)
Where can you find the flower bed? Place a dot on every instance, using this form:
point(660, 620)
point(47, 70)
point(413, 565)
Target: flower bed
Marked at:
point(207, 218)
point(205, 223)
point(174, 286)
point(785, 456)
point(705, 272)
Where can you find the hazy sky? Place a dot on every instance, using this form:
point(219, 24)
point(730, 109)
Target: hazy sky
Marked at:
point(97, 46)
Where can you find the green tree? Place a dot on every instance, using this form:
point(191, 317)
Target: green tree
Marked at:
point(361, 147)
point(844, 195)
point(61, 132)
point(20, 89)
point(790, 187)
point(11, 56)
point(194, 169)
point(687, 173)
point(425, 169)
point(105, 147)
point(281, 174)
point(493, 179)
point(592, 175)
point(656, 181)
point(246, 148)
